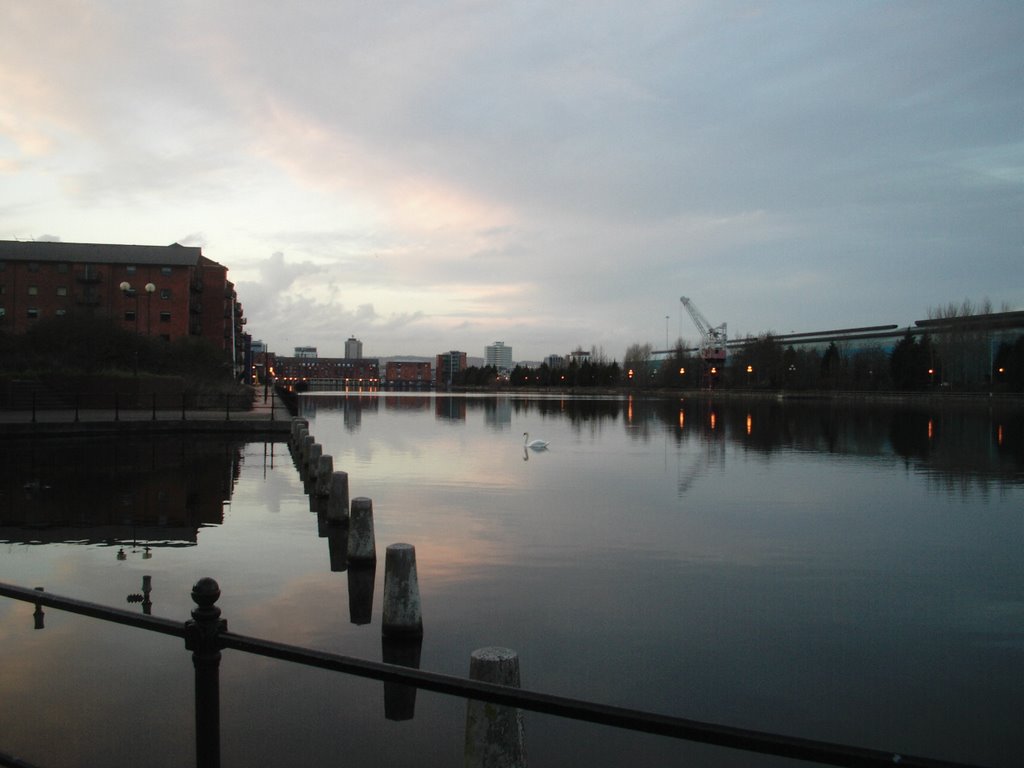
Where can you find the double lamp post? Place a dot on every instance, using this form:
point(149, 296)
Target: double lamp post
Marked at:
point(127, 290)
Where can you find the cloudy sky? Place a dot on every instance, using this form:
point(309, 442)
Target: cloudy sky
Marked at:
point(441, 175)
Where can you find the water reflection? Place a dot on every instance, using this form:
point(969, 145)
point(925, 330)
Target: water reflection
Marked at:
point(834, 599)
point(959, 443)
point(135, 493)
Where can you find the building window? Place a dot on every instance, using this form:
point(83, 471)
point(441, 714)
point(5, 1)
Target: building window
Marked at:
point(61, 312)
point(33, 266)
point(165, 270)
point(3, 290)
point(33, 290)
point(165, 293)
point(3, 313)
point(129, 315)
point(62, 290)
point(63, 268)
point(165, 317)
point(32, 313)
point(130, 269)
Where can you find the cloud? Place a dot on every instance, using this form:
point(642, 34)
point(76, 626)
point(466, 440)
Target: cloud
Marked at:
point(445, 175)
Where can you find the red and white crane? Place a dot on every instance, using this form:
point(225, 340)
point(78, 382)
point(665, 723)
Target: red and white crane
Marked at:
point(712, 338)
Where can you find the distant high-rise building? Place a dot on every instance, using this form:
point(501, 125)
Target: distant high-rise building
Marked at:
point(353, 348)
point(554, 361)
point(306, 353)
point(448, 365)
point(498, 355)
point(579, 357)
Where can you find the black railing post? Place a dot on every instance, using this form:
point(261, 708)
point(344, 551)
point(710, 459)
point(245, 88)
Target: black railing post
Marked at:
point(154, 406)
point(182, 406)
point(38, 616)
point(78, 399)
point(117, 408)
point(227, 407)
point(202, 637)
point(33, 406)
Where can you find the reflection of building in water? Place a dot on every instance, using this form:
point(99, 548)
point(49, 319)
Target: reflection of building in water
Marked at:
point(450, 408)
point(498, 413)
point(406, 403)
point(158, 491)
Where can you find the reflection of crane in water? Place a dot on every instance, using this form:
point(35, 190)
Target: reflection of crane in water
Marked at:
point(711, 434)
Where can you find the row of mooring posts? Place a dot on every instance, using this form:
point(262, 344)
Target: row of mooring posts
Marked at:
point(348, 527)
point(494, 734)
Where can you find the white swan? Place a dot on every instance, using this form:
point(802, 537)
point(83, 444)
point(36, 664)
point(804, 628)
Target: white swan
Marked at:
point(537, 445)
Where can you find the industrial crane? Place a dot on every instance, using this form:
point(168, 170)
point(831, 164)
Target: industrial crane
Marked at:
point(712, 339)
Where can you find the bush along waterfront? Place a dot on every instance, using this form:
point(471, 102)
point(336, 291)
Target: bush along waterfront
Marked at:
point(84, 360)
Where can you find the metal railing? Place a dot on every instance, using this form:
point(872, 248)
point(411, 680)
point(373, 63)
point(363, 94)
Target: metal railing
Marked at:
point(206, 635)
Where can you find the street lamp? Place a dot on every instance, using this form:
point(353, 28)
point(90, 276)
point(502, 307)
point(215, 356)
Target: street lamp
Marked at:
point(127, 290)
point(150, 290)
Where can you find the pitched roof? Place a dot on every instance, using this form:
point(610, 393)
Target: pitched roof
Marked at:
point(97, 253)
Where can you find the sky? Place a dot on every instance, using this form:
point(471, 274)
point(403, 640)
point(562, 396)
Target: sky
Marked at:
point(428, 176)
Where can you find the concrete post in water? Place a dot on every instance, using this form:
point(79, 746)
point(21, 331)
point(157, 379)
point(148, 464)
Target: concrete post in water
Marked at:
point(362, 547)
point(296, 445)
point(494, 733)
point(337, 501)
point(324, 473)
point(304, 445)
point(312, 460)
point(402, 611)
point(298, 425)
point(316, 450)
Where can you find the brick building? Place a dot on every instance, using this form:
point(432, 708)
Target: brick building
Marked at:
point(408, 373)
point(169, 291)
point(448, 365)
point(325, 373)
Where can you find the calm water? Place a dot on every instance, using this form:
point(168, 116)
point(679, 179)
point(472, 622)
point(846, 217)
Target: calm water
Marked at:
point(848, 575)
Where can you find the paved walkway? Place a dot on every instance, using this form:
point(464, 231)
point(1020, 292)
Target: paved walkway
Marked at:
point(267, 413)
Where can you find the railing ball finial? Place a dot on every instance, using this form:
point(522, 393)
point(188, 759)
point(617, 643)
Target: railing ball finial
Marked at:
point(205, 592)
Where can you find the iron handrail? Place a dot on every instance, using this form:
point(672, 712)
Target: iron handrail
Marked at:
point(748, 740)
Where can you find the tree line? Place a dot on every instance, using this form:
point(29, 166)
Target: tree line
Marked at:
point(956, 350)
point(91, 345)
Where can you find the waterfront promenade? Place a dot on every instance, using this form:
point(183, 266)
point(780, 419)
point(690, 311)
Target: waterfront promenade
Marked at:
point(267, 416)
